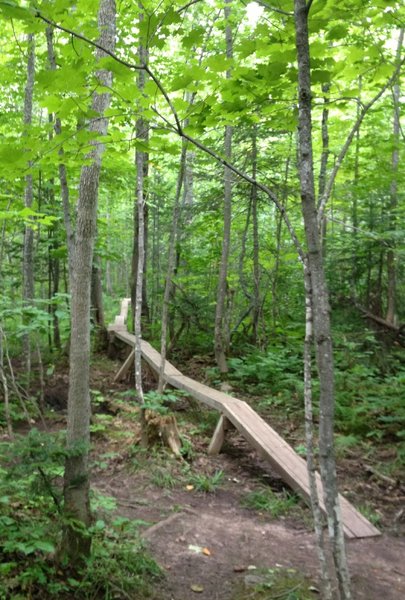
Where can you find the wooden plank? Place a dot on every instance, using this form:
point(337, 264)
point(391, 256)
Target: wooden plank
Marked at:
point(218, 438)
point(258, 433)
point(149, 354)
point(125, 367)
point(292, 467)
point(199, 391)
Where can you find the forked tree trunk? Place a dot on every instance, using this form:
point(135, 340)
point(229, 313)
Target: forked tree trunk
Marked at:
point(320, 303)
point(76, 540)
point(220, 334)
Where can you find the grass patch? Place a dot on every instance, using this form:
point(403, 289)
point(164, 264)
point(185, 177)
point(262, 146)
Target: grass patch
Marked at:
point(265, 500)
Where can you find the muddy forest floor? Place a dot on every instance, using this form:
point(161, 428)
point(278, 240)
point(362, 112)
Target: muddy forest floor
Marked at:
point(207, 520)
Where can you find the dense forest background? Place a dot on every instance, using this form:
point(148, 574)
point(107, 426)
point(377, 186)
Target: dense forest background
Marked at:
point(186, 126)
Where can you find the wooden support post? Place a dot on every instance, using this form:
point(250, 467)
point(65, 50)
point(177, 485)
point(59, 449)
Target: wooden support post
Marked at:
point(219, 435)
point(125, 367)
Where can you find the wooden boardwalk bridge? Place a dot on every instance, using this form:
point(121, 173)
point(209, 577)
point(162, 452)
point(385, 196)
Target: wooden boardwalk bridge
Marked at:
point(269, 444)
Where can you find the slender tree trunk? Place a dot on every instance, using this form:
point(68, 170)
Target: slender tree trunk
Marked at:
point(309, 428)
point(97, 295)
point(28, 253)
point(7, 413)
point(324, 161)
point(171, 264)
point(140, 237)
point(142, 162)
point(256, 247)
point(220, 333)
point(77, 540)
point(279, 221)
point(320, 302)
point(391, 316)
point(61, 167)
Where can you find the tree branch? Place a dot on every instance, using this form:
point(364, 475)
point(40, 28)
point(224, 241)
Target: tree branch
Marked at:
point(179, 130)
point(275, 9)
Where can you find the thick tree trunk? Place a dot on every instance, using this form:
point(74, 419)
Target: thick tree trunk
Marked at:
point(320, 302)
point(28, 252)
point(221, 335)
point(77, 541)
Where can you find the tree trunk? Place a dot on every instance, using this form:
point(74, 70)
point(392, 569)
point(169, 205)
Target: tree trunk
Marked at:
point(391, 315)
point(138, 292)
point(77, 541)
point(141, 221)
point(320, 302)
point(97, 295)
point(28, 252)
point(309, 436)
point(171, 264)
point(61, 167)
point(220, 333)
point(256, 247)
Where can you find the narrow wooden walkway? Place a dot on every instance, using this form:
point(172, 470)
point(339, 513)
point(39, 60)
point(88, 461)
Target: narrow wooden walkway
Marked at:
point(269, 444)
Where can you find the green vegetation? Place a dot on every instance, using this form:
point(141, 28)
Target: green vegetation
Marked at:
point(279, 583)
point(180, 133)
point(208, 484)
point(30, 523)
point(265, 500)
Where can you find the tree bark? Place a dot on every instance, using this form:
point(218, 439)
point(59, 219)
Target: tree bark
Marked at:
point(28, 251)
point(309, 436)
point(171, 264)
point(256, 246)
point(61, 166)
point(220, 334)
point(141, 221)
point(320, 302)
point(77, 540)
point(391, 315)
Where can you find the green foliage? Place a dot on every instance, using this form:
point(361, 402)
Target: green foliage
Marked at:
point(206, 483)
point(31, 521)
point(265, 500)
point(164, 479)
point(161, 403)
point(370, 514)
point(277, 372)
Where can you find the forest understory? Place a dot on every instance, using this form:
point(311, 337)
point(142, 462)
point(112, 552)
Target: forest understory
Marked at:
point(220, 527)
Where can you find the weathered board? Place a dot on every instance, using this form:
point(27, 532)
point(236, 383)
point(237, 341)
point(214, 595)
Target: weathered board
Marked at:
point(270, 445)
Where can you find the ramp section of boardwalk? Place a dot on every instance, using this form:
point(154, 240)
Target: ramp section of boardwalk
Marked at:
point(269, 444)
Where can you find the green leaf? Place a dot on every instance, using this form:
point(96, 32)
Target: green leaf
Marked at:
point(44, 546)
point(11, 10)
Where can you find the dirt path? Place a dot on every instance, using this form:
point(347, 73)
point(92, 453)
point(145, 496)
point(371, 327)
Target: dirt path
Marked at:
point(211, 547)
